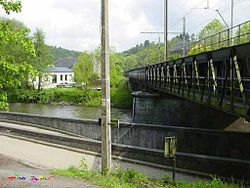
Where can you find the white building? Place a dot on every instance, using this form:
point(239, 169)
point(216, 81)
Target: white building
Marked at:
point(56, 76)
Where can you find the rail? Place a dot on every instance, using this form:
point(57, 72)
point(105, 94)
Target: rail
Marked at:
point(238, 34)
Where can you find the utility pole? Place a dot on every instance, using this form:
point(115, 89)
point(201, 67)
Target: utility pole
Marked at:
point(159, 48)
point(159, 39)
point(105, 76)
point(232, 13)
point(165, 30)
point(207, 4)
point(184, 37)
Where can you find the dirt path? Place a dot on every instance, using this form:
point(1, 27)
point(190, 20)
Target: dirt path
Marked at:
point(16, 174)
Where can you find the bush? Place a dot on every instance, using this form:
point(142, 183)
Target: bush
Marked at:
point(121, 97)
point(74, 96)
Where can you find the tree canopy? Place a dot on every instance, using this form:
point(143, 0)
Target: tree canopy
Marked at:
point(12, 68)
point(43, 57)
point(214, 26)
point(84, 70)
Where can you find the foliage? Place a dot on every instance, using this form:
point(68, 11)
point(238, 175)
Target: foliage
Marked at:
point(84, 69)
point(43, 57)
point(133, 179)
point(13, 69)
point(121, 97)
point(245, 32)
point(211, 28)
point(11, 6)
point(61, 53)
point(76, 96)
point(214, 26)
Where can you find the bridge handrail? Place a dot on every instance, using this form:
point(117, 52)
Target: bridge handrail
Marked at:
point(230, 36)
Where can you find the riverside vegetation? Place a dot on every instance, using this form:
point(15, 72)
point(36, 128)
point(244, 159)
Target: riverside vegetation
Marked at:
point(119, 178)
point(120, 97)
point(24, 55)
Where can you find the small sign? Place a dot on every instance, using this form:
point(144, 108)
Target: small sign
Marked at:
point(170, 147)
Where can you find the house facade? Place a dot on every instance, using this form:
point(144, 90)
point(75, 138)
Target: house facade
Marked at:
point(55, 77)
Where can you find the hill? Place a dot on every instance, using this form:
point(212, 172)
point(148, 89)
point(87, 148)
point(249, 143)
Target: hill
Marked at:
point(61, 53)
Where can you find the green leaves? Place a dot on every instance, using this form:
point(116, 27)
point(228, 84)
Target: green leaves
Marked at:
point(16, 48)
point(214, 26)
point(11, 6)
point(84, 69)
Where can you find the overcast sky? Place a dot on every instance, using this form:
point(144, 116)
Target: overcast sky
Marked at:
point(75, 24)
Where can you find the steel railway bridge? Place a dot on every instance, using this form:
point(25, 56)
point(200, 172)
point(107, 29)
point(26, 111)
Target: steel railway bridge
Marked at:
point(217, 75)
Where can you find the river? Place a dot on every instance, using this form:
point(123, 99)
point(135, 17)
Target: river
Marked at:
point(69, 111)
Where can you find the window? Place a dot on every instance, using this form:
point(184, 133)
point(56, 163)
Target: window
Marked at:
point(61, 77)
point(66, 77)
point(54, 79)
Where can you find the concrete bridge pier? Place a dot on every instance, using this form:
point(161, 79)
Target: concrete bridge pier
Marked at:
point(152, 108)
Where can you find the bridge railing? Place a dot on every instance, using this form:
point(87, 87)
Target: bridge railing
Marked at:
point(219, 79)
point(235, 35)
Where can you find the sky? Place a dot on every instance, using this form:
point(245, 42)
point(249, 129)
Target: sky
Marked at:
point(75, 24)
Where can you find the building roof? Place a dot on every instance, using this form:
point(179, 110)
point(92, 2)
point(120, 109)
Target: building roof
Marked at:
point(66, 62)
point(59, 69)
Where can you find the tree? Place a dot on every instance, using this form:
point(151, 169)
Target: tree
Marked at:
point(146, 43)
point(204, 45)
point(43, 57)
point(214, 26)
point(83, 69)
point(245, 32)
point(11, 6)
point(12, 69)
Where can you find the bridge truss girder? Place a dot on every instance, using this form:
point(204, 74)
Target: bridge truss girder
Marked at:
point(218, 79)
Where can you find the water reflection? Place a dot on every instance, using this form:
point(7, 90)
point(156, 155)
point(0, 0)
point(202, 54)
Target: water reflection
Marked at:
point(69, 111)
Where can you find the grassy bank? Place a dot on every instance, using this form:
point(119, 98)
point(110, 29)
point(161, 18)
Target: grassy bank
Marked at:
point(120, 98)
point(133, 179)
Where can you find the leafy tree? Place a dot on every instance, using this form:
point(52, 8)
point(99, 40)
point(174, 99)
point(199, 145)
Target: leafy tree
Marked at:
point(15, 53)
point(11, 6)
point(43, 57)
point(146, 43)
point(211, 28)
point(83, 69)
point(245, 32)
point(214, 26)
point(12, 69)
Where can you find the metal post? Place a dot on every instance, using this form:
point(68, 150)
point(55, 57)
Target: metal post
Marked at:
point(159, 49)
point(165, 30)
point(232, 13)
point(232, 21)
point(184, 37)
point(174, 166)
point(106, 130)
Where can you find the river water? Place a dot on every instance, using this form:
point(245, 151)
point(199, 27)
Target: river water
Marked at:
point(69, 111)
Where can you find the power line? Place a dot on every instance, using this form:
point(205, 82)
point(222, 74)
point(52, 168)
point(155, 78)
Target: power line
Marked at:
point(178, 21)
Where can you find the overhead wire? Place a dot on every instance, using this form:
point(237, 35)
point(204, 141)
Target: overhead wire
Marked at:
point(188, 13)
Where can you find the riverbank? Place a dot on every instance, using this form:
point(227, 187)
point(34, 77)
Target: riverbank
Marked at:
point(120, 97)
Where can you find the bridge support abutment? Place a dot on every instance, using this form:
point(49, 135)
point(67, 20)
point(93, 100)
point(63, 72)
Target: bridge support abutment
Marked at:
point(152, 108)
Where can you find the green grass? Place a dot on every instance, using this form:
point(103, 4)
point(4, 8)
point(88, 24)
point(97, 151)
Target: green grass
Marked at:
point(119, 178)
